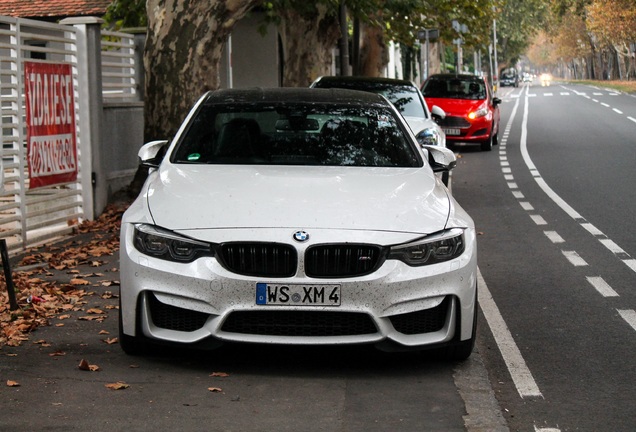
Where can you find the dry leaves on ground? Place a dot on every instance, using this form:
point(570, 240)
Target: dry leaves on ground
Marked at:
point(117, 386)
point(40, 296)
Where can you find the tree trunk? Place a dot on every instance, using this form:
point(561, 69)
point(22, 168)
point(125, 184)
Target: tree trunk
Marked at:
point(182, 59)
point(373, 52)
point(182, 56)
point(307, 43)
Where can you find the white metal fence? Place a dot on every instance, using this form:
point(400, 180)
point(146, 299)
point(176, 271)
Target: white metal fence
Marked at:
point(118, 66)
point(29, 216)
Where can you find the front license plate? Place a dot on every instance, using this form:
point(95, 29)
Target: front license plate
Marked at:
point(452, 131)
point(297, 295)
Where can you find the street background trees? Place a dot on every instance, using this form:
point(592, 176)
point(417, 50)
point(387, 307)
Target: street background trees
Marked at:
point(570, 38)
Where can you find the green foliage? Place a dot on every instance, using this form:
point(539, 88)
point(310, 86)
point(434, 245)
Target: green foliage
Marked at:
point(126, 13)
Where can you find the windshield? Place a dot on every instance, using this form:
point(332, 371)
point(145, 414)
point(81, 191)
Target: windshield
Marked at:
point(296, 134)
point(454, 88)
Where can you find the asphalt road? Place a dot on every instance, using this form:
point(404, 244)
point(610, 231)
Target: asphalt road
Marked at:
point(555, 206)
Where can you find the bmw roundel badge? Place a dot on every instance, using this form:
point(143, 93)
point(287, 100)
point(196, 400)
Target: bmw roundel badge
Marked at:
point(301, 236)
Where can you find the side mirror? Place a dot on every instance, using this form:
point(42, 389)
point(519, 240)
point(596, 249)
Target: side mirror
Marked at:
point(151, 154)
point(438, 114)
point(496, 101)
point(440, 158)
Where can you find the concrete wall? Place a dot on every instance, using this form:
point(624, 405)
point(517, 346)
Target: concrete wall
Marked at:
point(254, 60)
point(122, 136)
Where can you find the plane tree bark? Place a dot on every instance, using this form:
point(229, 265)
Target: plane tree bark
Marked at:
point(308, 34)
point(182, 56)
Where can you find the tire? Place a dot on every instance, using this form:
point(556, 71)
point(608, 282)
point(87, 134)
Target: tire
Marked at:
point(487, 145)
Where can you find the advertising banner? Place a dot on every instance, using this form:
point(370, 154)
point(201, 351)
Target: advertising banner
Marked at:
point(50, 119)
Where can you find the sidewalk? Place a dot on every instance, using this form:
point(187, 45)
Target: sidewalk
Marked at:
point(64, 281)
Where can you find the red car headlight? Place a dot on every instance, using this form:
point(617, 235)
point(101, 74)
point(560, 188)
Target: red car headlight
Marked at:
point(482, 111)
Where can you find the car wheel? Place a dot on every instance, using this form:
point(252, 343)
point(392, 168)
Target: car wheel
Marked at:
point(131, 345)
point(487, 145)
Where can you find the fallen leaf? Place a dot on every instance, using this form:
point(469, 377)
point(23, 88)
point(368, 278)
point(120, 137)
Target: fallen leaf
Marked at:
point(95, 311)
point(117, 386)
point(215, 389)
point(57, 354)
point(104, 332)
point(12, 383)
point(77, 281)
point(85, 366)
point(219, 374)
point(111, 341)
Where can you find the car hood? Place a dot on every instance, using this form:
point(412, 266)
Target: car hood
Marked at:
point(418, 124)
point(455, 107)
point(181, 197)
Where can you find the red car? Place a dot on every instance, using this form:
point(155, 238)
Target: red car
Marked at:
point(472, 112)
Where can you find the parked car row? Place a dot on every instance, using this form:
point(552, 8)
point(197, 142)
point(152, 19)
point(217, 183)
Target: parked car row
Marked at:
point(303, 217)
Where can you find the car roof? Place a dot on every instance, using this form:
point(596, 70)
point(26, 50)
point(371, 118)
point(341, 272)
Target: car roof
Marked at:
point(465, 77)
point(279, 95)
point(359, 82)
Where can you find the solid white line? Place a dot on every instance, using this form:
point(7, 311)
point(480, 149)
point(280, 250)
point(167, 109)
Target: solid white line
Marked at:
point(629, 316)
point(557, 199)
point(554, 237)
point(521, 375)
point(601, 286)
point(574, 258)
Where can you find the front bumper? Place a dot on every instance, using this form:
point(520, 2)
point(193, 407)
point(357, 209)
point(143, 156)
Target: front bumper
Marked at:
point(200, 302)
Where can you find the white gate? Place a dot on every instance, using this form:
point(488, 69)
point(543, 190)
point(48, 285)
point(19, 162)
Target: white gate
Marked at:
point(29, 216)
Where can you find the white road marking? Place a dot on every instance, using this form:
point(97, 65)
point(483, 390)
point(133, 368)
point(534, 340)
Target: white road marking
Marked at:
point(521, 375)
point(601, 286)
point(613, 247)
point(617, 111)
point(538, 219)
point(592, 229)
point(554, 237)
point(574, 258)
point(526, 205)
point(629, 316)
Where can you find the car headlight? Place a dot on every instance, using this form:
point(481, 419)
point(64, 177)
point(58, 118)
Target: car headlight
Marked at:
point(167, 245)
point(481, 112)
point(430, 136)
point(434, 249)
